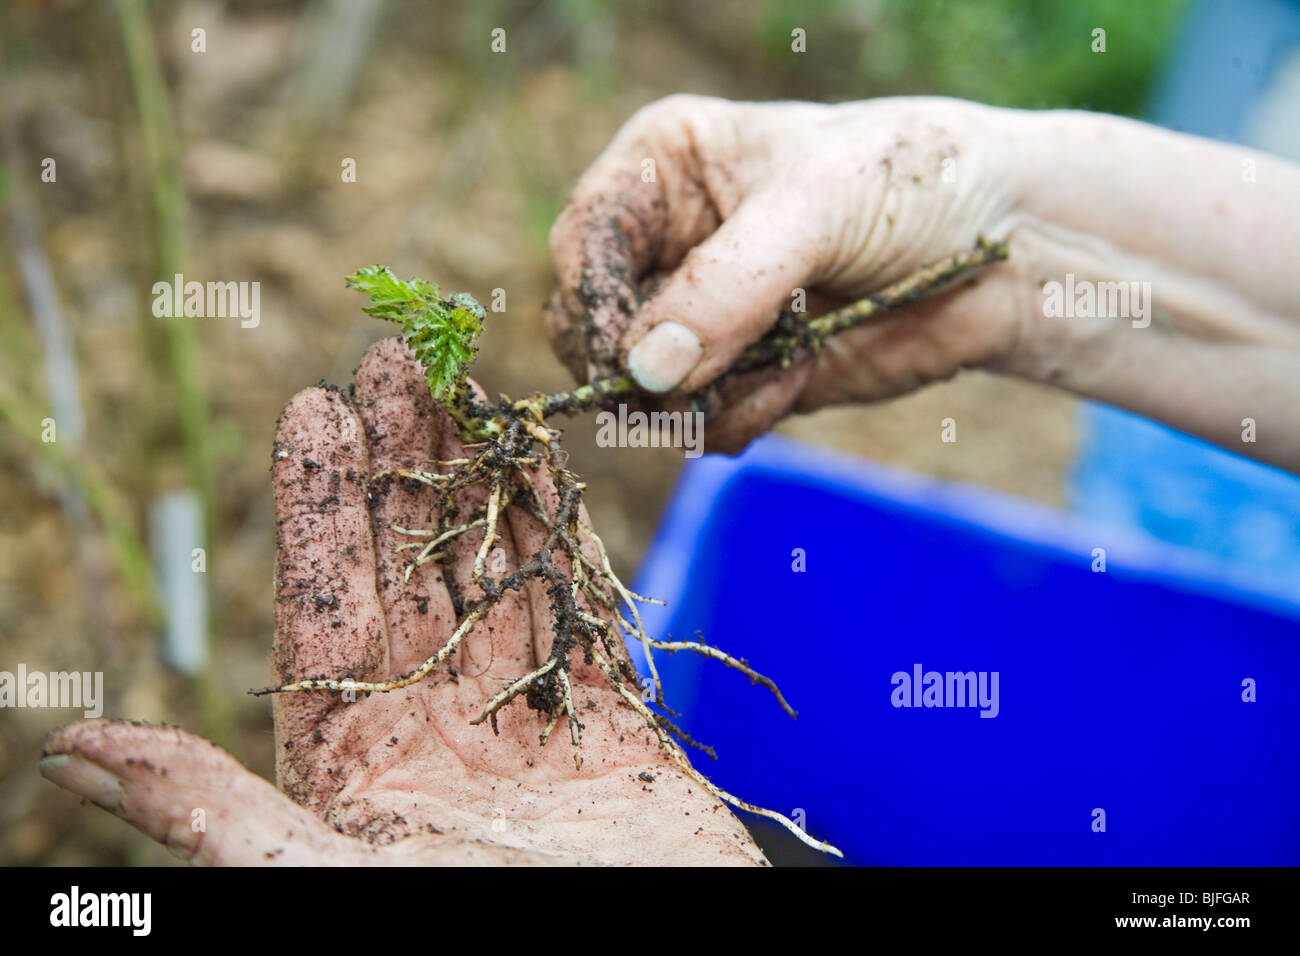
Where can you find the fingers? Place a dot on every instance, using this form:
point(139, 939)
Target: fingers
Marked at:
point(602, 241)
point(403, 431)
point(565, 336)
point(191, 796)
point(724, 296)
point(642, 203)
point(761, 399)
point(328, 617)
point(899, 352)
point(971, 326)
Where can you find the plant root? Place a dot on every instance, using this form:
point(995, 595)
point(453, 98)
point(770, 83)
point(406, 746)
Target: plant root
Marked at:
point(592, 610)
point(506, 466)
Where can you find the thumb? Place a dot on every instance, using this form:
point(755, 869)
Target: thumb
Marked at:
point(723, 297)
point(191, 796)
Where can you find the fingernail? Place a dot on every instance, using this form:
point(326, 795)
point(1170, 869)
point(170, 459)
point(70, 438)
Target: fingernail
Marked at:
point(83, 777)
point(664, 357)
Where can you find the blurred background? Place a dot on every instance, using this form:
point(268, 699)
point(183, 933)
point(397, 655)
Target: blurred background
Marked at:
point(225, 165)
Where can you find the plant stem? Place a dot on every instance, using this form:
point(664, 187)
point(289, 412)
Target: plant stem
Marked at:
point(584, 397)
point(793, 337)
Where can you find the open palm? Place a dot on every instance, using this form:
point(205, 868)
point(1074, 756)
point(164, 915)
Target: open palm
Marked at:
point(401, 777)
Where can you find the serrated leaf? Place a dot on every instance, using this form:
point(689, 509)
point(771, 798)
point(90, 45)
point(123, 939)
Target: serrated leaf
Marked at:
point(441, 332)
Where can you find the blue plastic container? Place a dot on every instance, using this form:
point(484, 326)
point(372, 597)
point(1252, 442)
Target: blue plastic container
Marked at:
point(1119, 691)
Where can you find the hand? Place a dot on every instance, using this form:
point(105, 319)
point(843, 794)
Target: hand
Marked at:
point(672, 278)
point(402, 777)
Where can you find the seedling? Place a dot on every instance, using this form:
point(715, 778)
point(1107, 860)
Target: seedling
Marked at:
point(508, 443)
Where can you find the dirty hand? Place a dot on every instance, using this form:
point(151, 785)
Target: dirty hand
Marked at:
point(398, 778)
point(704, 217)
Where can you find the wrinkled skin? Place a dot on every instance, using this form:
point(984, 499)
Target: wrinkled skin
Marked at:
point(751, 201)
point(398, 778)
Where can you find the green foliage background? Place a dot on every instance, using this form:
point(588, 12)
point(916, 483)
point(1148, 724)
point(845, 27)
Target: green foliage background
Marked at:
point(1022, 53)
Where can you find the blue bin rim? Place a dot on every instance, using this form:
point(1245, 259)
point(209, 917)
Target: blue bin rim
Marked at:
point(666, 570)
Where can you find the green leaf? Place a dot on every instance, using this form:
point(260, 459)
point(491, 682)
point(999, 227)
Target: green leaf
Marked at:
point(441, 332)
